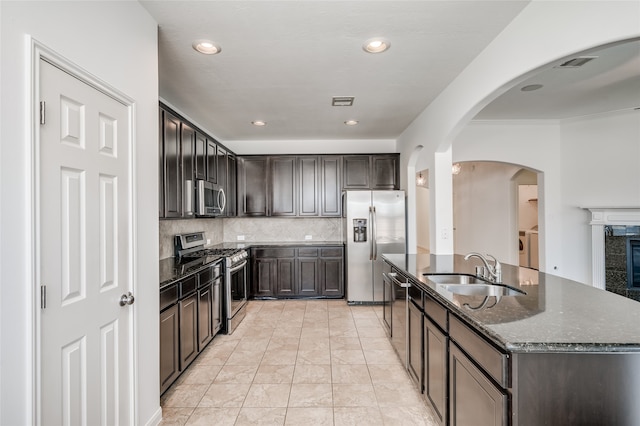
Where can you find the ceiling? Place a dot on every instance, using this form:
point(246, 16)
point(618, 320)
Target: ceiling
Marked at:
point(283, 61)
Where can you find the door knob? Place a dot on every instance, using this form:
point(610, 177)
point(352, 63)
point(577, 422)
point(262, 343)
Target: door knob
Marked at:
point(127, 299)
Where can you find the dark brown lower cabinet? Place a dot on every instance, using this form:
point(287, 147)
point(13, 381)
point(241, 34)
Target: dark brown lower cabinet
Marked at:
point(169, 347)
point(188, 308)
point(436, 361)
point(474, 399)
point(297, 272)
point(205, 320)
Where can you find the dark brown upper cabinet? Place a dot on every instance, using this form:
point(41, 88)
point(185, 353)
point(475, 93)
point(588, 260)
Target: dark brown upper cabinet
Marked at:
point(380, 171)
point(308, 178)
point(330, 194)
point(252, 186)
point(172, 165)
point(283, 188)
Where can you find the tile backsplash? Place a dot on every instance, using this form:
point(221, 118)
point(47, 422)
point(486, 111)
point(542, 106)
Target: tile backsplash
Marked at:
point(260, 229)
point(279, 229)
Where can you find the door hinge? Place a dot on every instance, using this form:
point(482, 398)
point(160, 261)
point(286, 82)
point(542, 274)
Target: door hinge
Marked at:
point(43, 296)
point(42, 112)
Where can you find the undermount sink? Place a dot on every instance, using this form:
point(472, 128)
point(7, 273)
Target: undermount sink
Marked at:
point(470, 285)
point(482, 290)
point(455, 279)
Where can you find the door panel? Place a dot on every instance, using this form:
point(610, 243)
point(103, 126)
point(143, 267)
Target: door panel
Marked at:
point(85, 205)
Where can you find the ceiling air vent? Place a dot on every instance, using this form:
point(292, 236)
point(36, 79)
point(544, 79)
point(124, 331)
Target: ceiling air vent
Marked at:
point(576, 62)
point(342, 101)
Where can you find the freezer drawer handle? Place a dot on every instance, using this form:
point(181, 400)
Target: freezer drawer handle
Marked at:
point(392, 277)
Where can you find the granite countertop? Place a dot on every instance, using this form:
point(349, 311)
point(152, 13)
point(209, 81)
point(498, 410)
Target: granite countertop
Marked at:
point(556, 314)
point(171, 272)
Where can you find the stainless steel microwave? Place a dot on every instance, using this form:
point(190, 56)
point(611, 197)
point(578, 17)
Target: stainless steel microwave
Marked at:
point(210, 199)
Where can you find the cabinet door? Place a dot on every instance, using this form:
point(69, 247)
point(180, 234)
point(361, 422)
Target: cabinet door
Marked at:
point(212, 161)
point(169, 347)
point(308, 276)
point(330, 186)
point(355, 171)
point(308, 172)
point(332, 274)
point(435, 370)
point(188, 330)
point(205, 322)
point(188, 143)
point(222, 173)
point(385, 172)
point(264, 277)
point(232, 187)
point(252, 186)
point(473, 399)
point(172, 166)
point(414, 344)
point(200, 166)
point(283, 187)
point(286, 277)
point(216, 306)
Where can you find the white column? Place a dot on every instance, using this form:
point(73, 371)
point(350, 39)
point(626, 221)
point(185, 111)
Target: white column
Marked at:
point(441, 202)
point(597, 256)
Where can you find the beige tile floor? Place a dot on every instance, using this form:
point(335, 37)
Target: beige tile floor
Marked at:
point(298, 362)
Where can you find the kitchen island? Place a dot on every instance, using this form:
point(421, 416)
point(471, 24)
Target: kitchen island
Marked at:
point(560, 353)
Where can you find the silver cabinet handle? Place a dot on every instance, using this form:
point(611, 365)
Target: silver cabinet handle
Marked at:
point(127, 299)
point(392, 276)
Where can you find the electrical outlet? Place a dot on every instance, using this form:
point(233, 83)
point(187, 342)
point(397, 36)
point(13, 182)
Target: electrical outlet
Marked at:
point(240, 237)
point(308, 237)
point(208, 241)
point(444, 234)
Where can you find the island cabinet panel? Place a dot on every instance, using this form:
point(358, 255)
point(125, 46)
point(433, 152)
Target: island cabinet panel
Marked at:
point(585, 388)
point(252, 186)
point(330, 186)
point(436, 362)
point(283, 186)
point(205, 313)
point(474, 399)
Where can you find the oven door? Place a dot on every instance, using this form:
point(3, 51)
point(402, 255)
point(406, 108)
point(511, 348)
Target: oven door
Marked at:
point(237, 278)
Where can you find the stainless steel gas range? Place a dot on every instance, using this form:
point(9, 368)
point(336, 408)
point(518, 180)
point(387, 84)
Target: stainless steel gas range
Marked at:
point(191, 248)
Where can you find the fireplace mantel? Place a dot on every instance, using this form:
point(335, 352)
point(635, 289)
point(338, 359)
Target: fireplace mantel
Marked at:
point(600, 217)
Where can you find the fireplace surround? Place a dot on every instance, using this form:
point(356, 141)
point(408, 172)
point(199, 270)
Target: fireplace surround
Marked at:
point(611, 230)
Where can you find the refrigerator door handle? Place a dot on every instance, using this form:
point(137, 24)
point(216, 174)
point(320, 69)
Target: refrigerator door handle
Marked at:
point(371, 230)
point(374, 237)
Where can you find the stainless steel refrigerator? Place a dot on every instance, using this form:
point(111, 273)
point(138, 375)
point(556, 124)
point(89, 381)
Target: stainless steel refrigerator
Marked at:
point(375, 224)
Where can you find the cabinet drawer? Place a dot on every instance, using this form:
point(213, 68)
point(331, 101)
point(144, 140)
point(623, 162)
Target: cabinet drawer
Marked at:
point(308, 252)
point(205, 276)
point(275, 252)
point(168, 296)
point(187, 285)
point(494, 362)
point(436, 312)
point(331, 252)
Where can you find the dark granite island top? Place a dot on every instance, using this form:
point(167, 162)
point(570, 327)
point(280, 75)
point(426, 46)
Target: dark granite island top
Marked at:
point(555, 315)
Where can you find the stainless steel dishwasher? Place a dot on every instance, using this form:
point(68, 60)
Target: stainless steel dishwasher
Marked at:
point(398, 304)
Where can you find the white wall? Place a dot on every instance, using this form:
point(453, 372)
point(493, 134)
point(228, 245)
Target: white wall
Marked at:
point(483, 210)
point(117, 42)
point(347, 146)
point(586, 162)
point(544, 32)
point(422, 217)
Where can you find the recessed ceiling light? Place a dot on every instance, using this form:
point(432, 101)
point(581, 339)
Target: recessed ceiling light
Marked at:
point(351, 122)
point(376, 45)
point(532, 87)
point(207, 47)
point(259, 123)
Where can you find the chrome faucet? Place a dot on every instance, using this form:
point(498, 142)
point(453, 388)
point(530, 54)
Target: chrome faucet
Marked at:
point(489, 272)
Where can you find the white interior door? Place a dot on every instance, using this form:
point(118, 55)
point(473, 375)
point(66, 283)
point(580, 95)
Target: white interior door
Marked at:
point(85, 236)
